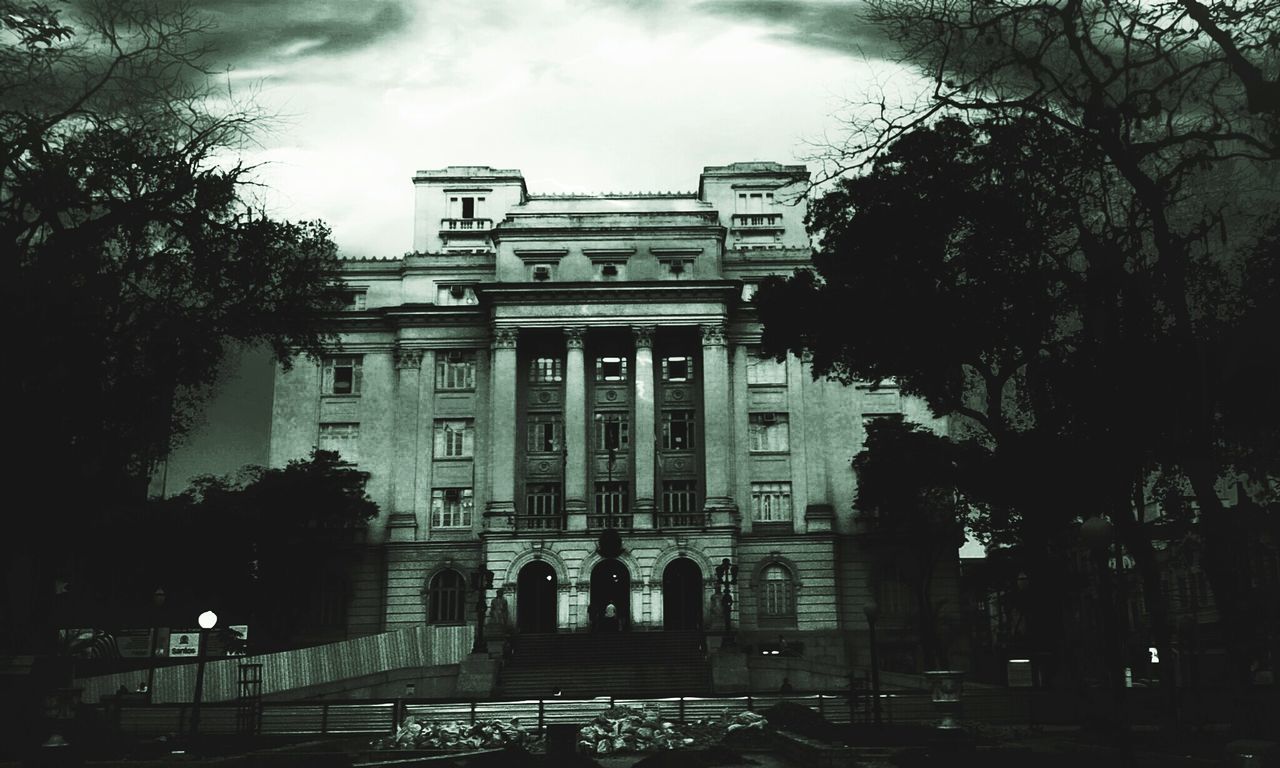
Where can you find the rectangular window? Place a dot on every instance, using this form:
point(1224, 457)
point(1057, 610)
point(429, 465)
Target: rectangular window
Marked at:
point(546, 370)
point(612, 431)
point(611, 369)
point(456, 294)
point(677, 430)
point(768, 433)
point(680, 504)
point(341, 375)
point(610, 507)
point(456, 370)
point(451, 508)
point(771, 502)
point(765, 370)
point(455, 439)
point(546, 434)
point(677, 368)
point(542, 507)
point(344, 439)
point(355, 300)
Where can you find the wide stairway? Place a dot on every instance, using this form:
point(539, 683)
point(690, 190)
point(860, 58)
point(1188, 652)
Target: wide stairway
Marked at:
point(622, 665)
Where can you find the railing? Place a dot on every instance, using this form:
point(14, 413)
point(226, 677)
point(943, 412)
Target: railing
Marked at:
point(682, 520)
point(539, 522)
point(600, 522)
point(757, 220)
point(466, 225)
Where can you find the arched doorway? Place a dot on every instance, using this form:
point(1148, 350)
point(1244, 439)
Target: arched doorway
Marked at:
point(682, 595)
point(536, 598)
point(610, 584)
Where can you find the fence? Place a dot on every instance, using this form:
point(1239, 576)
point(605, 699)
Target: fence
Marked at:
point(422, 646)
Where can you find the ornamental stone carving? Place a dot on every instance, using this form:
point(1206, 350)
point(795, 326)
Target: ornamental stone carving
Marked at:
point(713, 335)
point(573, 337)
point(408, 359)
point(505, 336)
point(643, 335)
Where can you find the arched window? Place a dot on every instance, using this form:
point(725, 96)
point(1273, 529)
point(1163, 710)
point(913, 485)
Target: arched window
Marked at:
point(444, 598)
point(777, 593)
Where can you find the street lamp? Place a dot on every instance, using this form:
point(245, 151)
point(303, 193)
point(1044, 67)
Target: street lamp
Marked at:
point(207, 620)
point(872, 612)
point(726, 577)
point(481, 580)
point(1096, 533)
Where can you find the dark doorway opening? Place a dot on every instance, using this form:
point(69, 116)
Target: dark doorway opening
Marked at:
point(536, 598)
point(610, 586)
point(682, 595)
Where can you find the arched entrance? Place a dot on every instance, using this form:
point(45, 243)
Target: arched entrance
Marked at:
point(610, 585)
point(682, 595)
point(536, 598)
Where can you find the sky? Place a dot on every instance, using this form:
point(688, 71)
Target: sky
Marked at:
point(580, 95)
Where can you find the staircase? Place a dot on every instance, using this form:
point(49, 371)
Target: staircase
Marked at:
point(622, 665)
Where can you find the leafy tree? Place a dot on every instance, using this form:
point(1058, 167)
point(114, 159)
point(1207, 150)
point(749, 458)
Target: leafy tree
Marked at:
point(137, 259)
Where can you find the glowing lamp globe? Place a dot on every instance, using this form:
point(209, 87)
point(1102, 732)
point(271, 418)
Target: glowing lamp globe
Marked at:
point(207, 620)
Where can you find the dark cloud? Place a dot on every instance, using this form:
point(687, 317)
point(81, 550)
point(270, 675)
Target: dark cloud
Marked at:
point(245, 33)
point(830, 26)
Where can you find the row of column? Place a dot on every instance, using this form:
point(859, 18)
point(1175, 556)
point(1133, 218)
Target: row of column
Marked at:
point(717, 421)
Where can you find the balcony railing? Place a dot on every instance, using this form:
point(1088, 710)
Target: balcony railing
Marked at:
point(757, 221)
point(682, 520)
point(466, 225)
point(617, 522)
point(539, 522)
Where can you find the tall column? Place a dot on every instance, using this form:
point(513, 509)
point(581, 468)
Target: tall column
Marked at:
point(716, 411)
point(404, 468)
point(502, 431)
point(426, 449)
point(819, 513)
point(575, 432)
point(742, 434)
point(645, 445)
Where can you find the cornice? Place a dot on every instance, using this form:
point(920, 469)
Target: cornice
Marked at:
point(613, 232)
point(604, 293)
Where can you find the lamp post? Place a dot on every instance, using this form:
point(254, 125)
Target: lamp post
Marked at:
point(207, 621)
point(872, 612)
point(726, 578)
point(1096, 534)
point(481, 580)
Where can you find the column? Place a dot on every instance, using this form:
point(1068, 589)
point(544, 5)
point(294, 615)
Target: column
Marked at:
point(402, 524)
point(645, 445)
point(575, 431)
point(716, 448)
point(426, 449)
point(819, 513)
point(502, 431)
point(741, 430)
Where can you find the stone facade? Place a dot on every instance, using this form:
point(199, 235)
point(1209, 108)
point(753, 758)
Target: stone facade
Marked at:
point(545, 367)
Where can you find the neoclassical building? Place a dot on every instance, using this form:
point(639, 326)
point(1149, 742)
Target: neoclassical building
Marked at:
point(542, 369)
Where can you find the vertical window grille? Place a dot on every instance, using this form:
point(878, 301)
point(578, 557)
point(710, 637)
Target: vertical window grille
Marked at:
point(542, 507)
point(677, 368)
point(451, 508)
point(610, 369)
point(677, 430)
point(544, 370)
point(770, 502)
point(777, 594)
point(611, 507)
point(612, 431)
point(456, 370)
point(768, 432)
point(341, 375)
point(546, 434)
point(680, 504)
point(444, 598)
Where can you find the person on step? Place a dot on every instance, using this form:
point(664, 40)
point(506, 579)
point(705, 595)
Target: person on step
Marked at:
point(611, 618)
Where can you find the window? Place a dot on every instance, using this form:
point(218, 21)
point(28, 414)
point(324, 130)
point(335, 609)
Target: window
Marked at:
point(610, 270)
point(749, 291)
point(456, 370)
point(464, 207)
point(610, 506)
point(680, 503)
point(754, 202)
point(768, 432)
point(455, 294)
point(444, 598)
point(765, 370)
point(893, 593)
point(545, 370)
point(542, 507)
point(341, 438)
point(341, 375)
point(355, 299)
point(677, 368)
point(451, 508)
point(771, 502)
point(540, 272)
point(612, 431)
point(546, 434)
point(777, 593)
point(677, 430)
point(677, 267)
point(611, 369)
point(455, 439)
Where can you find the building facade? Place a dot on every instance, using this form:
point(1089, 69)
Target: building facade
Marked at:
point(542, 369)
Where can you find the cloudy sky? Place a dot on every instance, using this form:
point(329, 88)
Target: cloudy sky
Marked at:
point(581, 95)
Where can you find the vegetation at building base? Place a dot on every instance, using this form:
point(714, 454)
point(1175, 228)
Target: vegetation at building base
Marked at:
point(1070, 246)
point(138, 254)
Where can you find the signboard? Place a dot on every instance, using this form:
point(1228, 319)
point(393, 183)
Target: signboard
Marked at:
point(1019, 672)
point(134, 643)
point(228, 641)
point(184, 643)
